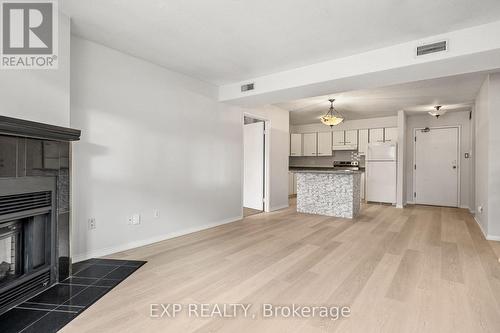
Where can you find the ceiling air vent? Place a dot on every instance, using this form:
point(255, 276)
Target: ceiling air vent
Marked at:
point(247, 87)
point(432, 48)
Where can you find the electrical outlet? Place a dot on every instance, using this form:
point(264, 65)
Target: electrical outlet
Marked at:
point(156, 213)
point(134, 219)
point(92, 223)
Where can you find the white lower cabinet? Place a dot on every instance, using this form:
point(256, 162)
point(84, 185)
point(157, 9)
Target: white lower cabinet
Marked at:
point(363, 186)
point(292, 183)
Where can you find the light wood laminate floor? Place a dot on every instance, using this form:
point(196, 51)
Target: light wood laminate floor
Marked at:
point(418, 269)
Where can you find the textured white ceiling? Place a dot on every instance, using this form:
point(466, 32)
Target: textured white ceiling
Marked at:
point(224, 41)
point(455, 93)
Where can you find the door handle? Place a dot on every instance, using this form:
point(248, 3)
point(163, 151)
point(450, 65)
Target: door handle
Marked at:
point(454, 167)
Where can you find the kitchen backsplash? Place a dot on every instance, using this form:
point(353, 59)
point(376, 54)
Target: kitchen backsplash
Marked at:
point(325, 161)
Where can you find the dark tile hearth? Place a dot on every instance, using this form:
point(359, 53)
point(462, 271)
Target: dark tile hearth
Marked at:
point(52, 309)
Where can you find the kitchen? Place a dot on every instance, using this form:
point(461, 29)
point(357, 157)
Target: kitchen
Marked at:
point(343, 150)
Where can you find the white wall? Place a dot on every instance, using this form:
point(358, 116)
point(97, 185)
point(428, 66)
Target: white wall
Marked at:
point(155, 139)
point(40, 95)
point(487, 168)
point(449, 119)
point(481, 120)
point(402, 157)
point(494, 163)
point(347, 125)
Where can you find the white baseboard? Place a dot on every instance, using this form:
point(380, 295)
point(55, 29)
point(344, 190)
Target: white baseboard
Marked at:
point(486, 235)
point(132, 245)
point(480, 226)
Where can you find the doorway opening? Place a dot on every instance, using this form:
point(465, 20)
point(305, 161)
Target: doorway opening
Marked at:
point(254, 165)
point(436, 169)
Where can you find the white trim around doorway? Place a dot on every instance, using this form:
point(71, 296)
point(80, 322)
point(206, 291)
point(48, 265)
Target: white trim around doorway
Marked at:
point(414, 176)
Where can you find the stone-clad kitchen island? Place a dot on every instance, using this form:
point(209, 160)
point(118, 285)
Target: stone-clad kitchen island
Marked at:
point(329, 192)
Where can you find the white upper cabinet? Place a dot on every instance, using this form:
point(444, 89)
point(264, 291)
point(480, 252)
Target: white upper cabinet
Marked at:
point(338, 138)
point(325, 144)
point(310, 147)
point(345, 140)
point(351, 138)
point(295, 144)
point(391, 134)
point(376, 135)
point(363, 142)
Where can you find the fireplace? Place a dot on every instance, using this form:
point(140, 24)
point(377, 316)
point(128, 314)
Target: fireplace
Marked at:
point(34, 208)
point(27, 237)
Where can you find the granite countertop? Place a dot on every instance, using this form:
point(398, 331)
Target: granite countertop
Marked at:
point(331, 170)
point(318, 168)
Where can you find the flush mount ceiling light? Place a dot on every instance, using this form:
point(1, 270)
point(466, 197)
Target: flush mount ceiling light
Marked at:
point(332, 117)
point(438, 112)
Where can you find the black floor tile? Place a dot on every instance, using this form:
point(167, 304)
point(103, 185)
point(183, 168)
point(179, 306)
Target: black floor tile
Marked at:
point(121, 273)
point(57, 294)
point(87, 296)
point(51, 323)
point(15, 320)
point(70, 308)
point(80, 266)
point(107, 282)
point(112, 262)
point(95, 271)
point(52, 309)
point(37, 306)
point(134, 263)
point(80, 280)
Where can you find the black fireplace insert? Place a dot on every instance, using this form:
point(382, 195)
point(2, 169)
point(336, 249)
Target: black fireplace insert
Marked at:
point(27, 246)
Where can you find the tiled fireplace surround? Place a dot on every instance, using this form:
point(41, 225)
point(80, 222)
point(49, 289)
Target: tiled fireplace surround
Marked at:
point(34, 208)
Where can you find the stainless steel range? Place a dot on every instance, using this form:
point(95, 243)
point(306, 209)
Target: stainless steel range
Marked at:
point(346, 165)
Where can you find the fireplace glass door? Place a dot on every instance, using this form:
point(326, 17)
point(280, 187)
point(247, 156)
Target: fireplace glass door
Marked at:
point(11, 245)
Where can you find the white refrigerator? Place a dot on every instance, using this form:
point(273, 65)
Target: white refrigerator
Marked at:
point(381, 168)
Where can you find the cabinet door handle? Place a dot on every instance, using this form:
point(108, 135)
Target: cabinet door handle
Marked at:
point(388, 140)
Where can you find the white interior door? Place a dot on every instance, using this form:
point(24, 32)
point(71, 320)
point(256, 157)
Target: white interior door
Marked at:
point(436, 167)
point(253, 160)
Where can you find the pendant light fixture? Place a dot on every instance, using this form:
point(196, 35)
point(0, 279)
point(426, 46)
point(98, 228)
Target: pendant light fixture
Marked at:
point(438, 112)
point(332, 117)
